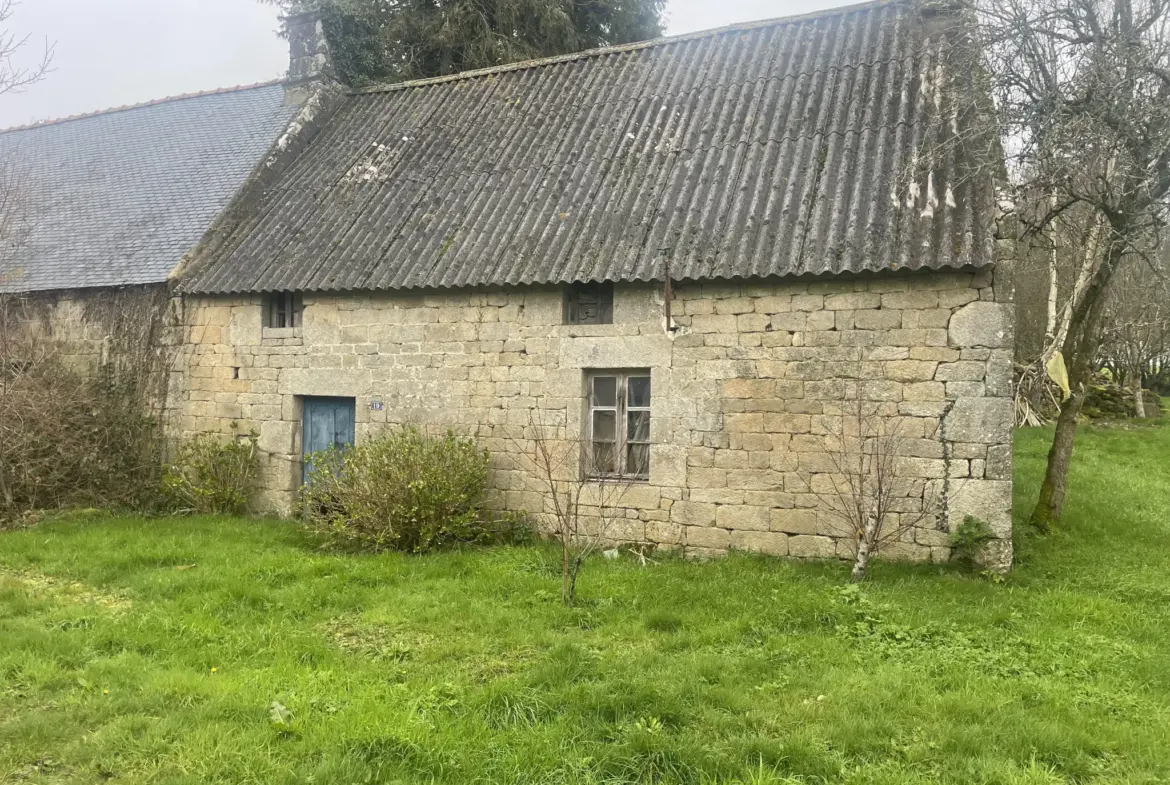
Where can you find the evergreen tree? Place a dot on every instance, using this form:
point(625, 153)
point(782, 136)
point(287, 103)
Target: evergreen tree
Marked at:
point(374, 41)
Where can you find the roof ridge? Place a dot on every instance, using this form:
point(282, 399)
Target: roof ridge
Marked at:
point(143, 105)
point(630, 47)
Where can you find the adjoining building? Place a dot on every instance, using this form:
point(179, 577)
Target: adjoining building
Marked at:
point(99, 209)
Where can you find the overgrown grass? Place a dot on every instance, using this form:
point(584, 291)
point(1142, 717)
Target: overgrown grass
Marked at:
point(152, 651)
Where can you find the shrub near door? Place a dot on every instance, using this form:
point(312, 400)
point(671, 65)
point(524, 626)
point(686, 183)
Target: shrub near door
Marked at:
point(403, 490)
point(211, 475)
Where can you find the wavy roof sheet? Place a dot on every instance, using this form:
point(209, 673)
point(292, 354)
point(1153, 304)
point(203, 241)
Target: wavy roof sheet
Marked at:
point(808, 145)
point(118, 197)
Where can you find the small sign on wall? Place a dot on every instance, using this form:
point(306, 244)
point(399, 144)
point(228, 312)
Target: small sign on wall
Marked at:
point(377, 406)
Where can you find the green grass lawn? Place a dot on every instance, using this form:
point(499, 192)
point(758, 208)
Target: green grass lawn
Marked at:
point(144, 651)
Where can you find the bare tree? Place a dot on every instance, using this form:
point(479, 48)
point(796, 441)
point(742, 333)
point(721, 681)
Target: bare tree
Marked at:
point(16, 75)
point(1071, 242)
point(1083, 92)
point(875, 505)
point(582, 503)
point(1136, 329)
point(15, 228)
point(14, 221)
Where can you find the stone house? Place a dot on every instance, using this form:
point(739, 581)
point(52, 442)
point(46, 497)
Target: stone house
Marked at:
point(691, 256)
point(98, 210)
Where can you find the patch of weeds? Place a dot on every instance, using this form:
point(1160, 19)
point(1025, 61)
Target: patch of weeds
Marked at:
point(579, 618)
point(773, 687)
point(543, 597)
point(567, 663)
point(63, 591)
point(755, 634)
point(765, 775)
point(643, 725)
point(650, 757)
point(633, 707)
point(968, 539)
point(387, 749)
point(376, 641)
point(996, 651)
point(44, 769)
point(395, 754)
point(486, 668)
point(505, 705)
point(327, 706)
point(664, 621)
point(539, 561)
point(807, 757)
point(65, 625)
point(438, 699)
point(280, 719)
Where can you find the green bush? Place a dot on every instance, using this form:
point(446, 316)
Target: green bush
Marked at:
point(403, 490)
point(211, 475)
point(969, 538)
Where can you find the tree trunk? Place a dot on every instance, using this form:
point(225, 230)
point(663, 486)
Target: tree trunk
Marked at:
point(565, 571)
point(1053, 284)
point(1052, 491)
point(865, 547)
point(573, 573)
point(1079, 346)
point(1139, 401)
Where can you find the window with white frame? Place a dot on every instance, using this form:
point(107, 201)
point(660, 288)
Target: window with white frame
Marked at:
point(619, 424)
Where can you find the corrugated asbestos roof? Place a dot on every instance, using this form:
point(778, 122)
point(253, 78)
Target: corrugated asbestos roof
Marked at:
point(119, 197)
point(807, 145)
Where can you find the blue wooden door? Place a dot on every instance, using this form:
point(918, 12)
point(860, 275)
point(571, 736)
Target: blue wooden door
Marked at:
point(328, 423)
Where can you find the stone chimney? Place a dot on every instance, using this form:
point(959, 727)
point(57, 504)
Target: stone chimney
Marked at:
point(309, 63)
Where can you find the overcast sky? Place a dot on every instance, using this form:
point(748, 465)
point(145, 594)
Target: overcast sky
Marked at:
point(116, 52)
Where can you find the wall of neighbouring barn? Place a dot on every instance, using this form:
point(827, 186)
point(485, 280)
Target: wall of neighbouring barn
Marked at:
point(747, 393)
point(86, 328)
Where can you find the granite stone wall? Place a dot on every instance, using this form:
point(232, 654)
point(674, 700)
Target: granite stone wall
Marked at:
point(85, 328)
point(754, 392)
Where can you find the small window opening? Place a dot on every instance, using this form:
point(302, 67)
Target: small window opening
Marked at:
point(618, 436)
point(589, 303)
point(235, 373)
point(283, 310)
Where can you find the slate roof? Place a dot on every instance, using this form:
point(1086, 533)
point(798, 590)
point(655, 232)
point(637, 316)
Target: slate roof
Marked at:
point(119, 197)
point(816, 144)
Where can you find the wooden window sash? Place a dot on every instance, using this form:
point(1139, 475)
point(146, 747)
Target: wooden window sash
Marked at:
point(621, 411)
point(627, 439)
point(284, 310)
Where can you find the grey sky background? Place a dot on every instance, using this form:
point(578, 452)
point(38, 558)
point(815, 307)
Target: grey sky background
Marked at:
point(116, 52)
